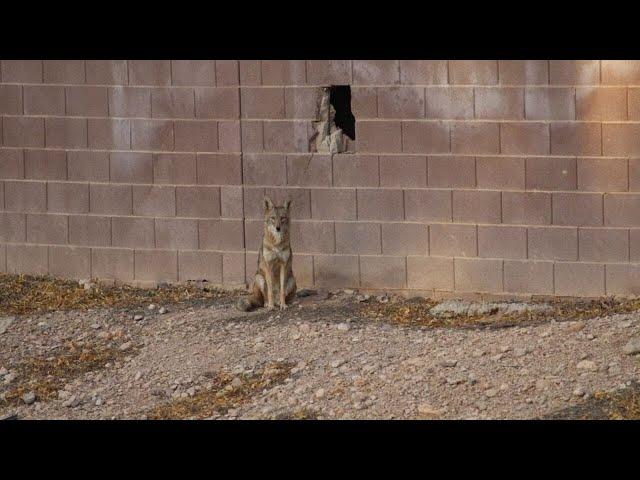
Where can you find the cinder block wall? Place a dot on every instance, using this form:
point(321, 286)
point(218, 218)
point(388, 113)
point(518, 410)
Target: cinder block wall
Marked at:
point(502, 177)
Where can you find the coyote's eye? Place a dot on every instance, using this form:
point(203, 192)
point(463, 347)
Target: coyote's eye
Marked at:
point(273, 219)
point(283, 219)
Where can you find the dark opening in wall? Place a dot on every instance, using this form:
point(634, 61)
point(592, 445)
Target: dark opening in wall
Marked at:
point(335, 125)
point(340, 98)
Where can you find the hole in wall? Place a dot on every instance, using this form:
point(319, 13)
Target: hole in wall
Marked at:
point(340, 98)
point(335, 129)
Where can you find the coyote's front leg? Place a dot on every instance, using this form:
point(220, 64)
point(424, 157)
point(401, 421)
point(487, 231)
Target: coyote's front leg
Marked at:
point(283, 272)
point(270, 280)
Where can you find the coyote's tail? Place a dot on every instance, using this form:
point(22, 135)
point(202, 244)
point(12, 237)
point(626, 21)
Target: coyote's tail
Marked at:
point(245, 304)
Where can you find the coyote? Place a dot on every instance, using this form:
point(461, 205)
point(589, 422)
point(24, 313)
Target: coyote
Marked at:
point(274, 275)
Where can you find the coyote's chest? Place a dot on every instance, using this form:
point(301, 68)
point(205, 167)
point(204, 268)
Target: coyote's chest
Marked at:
point(272, 254)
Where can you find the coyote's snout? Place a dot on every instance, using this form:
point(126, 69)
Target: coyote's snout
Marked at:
point(274, 275)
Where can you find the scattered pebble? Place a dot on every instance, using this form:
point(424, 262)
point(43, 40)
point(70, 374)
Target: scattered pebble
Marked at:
point(336, 363)
point(448, 363)
point(29, 398)
point(588, 365)
point(632, 347)
point(5, 322)
point(236, 382)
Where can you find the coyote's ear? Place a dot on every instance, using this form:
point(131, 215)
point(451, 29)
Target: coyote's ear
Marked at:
point(286, 204)
point(268, 204)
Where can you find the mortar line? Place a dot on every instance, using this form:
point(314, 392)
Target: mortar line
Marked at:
point(454, 272)
point(406, 274)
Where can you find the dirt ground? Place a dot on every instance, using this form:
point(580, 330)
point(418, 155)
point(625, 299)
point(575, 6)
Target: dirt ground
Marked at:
point(330, 355)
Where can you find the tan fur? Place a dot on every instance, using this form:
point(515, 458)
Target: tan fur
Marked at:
point(274, 277)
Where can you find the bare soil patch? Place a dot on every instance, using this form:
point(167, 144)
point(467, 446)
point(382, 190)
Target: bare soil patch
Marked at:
point(328, 356)
point(227, 392)
point(416, 312)
point(45, 376)
point(620, 404)
point(27, 294)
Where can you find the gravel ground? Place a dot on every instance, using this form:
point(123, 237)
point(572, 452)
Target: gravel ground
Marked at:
point(341, 365)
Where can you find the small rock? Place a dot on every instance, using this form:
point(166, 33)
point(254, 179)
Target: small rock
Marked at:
point(137, 318)
point(3, 371)
point(579, 392)
point(138, 376)
point(497, 357)
point(162, 311)
point(152, 307)
point(9, 416)
point(236, 382)
point(29, 398)
point(542, 384)
point(575, 327)
point(304, 328)
point(191, 391)
point(9, 377)
point(369, 368)
point(588, 365)
point(73, 402)
point(95, 326)
point(320, 393)
point(343, 327)
point(348, 291)
point(448, 363)
point(632, 347)
point(126, 346)
point(336, 363)
point(98, 402)
point(492, 392)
